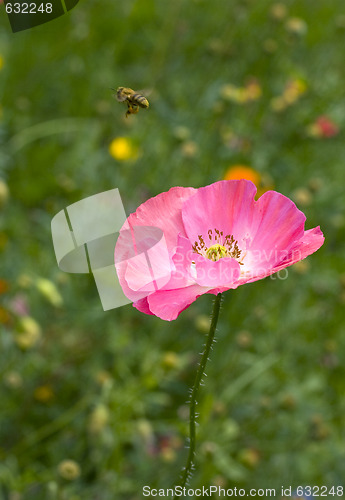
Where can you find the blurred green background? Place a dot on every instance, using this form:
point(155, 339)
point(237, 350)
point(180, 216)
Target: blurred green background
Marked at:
point(92, 402)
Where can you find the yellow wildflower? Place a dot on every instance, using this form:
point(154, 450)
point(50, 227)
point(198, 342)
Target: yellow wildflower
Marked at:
point(168, 455)
point(69, 469)
point(242, 95)
point(49, 291)
point(181, 132)
point(296, 25)
point(122, 149)
point(103, 378)
point(29, 332)
point(294, 90)
point(13, 379)
point(170, 359)
point(278, 104)
point(4, 193)
point(249, 457)
point(301, 266)
point(189, 149)
point(229, 92)
point(44, 393)
point(24, 281)
point(145, 430)
point(202, 323)
point(244, 339)
point(98, 419)
point(252, 91)
point(278, 11)
point(302, 196)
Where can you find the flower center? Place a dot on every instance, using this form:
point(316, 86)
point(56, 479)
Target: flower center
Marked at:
point(221, 246)
point(216, 252)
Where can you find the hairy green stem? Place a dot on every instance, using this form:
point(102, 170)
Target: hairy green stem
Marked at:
point(188, 470)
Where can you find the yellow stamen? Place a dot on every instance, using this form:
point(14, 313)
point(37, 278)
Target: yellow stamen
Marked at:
point(216, 252)
point(220, 246)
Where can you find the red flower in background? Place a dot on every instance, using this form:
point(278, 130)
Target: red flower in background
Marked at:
point(323, 127)
point(327, 127)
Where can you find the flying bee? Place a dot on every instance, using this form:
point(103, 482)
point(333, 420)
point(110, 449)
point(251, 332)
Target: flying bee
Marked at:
point(133, 99)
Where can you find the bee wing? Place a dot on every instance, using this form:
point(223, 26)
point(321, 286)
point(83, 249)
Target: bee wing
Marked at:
point(144, 92)
point(116, 96)
point(120, 97)
point(122, 93)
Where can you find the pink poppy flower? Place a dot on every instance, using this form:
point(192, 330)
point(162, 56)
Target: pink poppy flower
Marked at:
point(187, 242)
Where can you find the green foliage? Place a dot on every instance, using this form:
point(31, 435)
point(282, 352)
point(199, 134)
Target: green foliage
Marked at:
point(109, 390)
